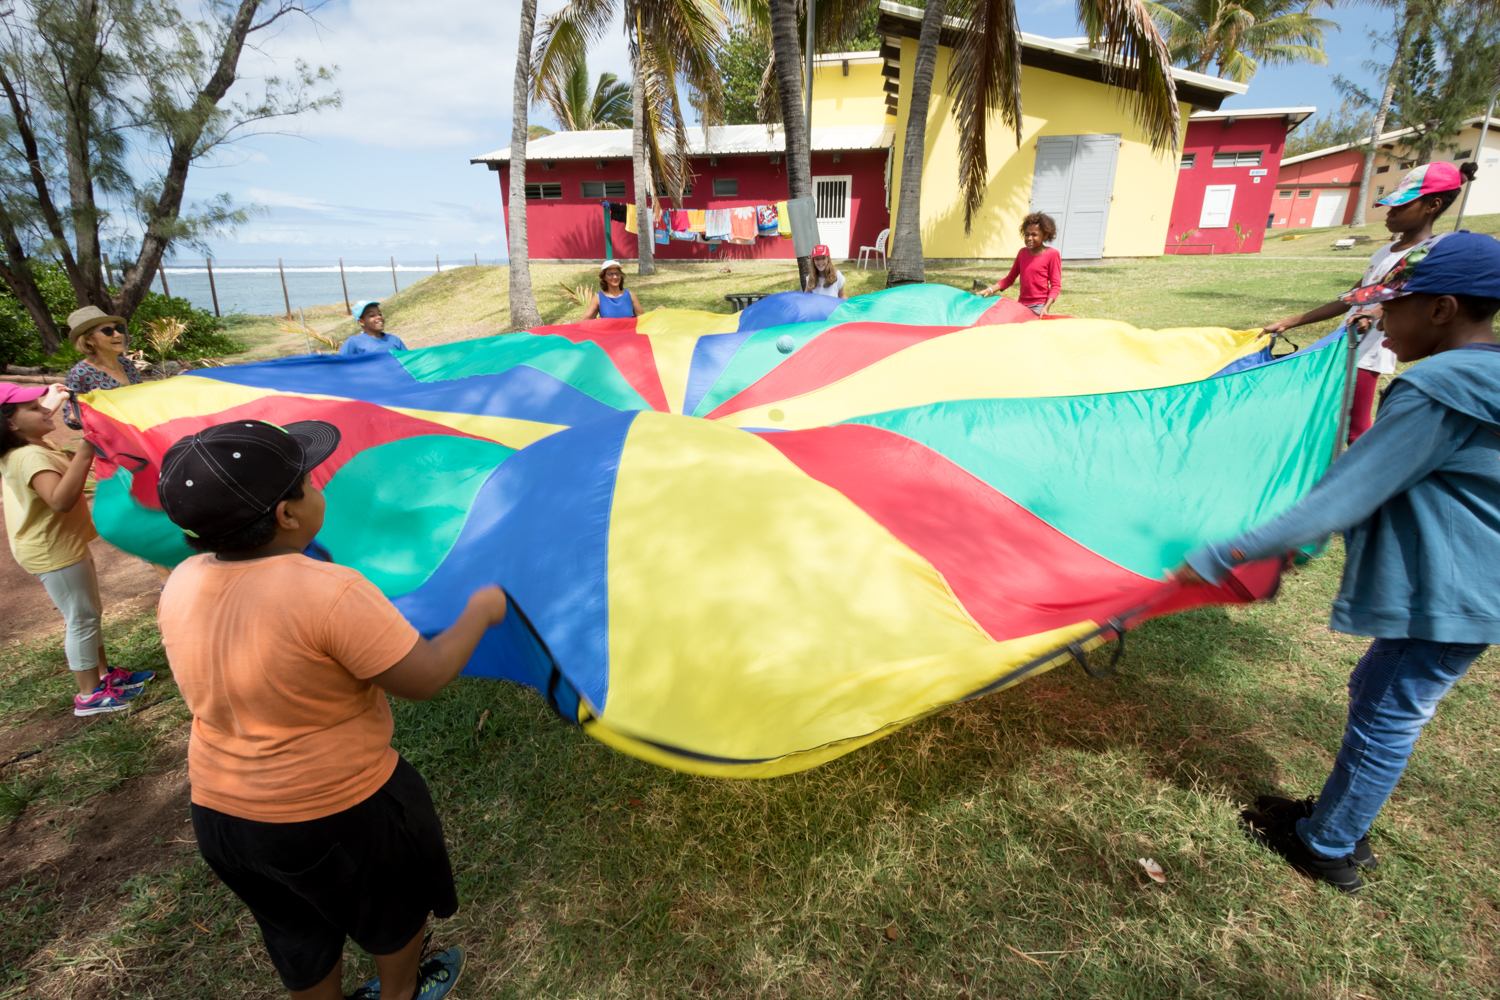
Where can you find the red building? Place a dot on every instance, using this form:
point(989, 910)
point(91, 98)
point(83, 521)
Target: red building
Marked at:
point(569, 175)
point(1230, 163)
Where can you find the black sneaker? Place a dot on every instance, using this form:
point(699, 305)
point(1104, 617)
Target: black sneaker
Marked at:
point(1278, 811)
point(1275, 828)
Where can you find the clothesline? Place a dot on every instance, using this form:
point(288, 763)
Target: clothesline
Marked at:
point(739, 224)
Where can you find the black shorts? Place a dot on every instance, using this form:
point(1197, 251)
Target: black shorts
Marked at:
point(372, 872)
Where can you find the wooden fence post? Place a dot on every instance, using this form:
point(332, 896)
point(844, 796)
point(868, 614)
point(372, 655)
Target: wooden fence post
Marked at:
point(394, 287)
point(161, 271)
point(109, 274)
point(476, 258)
point(211, 289)
point(285, 297)
point(439, 258)
point(343, 281)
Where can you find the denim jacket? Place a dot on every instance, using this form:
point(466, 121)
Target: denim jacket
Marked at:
point(1417, 498)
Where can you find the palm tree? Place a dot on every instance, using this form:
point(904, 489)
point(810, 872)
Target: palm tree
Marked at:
point(1238, 36)
point(578, 108)
point(523, 311)
point(669, 39)
point(1408, 20)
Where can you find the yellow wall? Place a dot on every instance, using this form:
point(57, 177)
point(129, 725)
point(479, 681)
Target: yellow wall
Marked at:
point(1052, 104)
point(856, 99)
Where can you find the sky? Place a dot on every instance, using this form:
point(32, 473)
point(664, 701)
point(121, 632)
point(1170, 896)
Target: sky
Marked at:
point(427, 86)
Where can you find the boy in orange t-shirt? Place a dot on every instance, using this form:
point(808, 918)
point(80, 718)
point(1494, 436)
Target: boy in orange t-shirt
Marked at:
point(299, 802)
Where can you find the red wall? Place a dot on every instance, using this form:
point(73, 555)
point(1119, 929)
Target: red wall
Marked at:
point(1252, 194)
point(1331, 172)
point(574, 228)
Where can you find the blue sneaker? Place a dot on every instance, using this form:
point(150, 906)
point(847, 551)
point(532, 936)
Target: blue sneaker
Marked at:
point(123, 680)
point(103, 699)
point(436, 977)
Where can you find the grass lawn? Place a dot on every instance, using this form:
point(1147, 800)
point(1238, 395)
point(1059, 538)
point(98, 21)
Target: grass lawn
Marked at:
point(987, 852)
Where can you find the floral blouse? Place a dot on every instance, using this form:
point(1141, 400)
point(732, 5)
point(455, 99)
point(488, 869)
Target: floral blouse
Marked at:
point(84, 377)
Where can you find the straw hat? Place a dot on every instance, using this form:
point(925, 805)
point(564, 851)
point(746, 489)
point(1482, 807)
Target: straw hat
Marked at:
point(82, 322)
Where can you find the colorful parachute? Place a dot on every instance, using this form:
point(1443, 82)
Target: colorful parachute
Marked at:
point(746, 544)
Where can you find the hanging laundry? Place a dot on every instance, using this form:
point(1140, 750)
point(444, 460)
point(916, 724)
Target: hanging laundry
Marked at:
point(716, 224)
point(680, 221)
point(617, 211)
point(663, 235)
point(783, 220)
point(686, 235)
point(765, 220)
point(697, 219)
point(631, 223)
point(742, 225)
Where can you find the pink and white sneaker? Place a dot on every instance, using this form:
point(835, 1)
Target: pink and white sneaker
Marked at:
point(104, 699)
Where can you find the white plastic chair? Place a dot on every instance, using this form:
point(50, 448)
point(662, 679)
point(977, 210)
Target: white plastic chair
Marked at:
point(868, 254)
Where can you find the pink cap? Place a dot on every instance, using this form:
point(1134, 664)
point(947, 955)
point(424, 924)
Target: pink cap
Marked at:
point(821, 250)
point(12, 393)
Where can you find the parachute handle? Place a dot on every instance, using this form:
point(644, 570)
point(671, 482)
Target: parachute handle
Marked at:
point(1115, 625)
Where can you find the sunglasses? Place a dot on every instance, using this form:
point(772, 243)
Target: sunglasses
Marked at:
point(112, 328)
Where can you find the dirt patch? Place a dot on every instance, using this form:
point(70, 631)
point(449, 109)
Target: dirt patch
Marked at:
point(34, 731)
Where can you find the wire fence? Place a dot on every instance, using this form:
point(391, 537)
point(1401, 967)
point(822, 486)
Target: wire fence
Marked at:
point(266, 287)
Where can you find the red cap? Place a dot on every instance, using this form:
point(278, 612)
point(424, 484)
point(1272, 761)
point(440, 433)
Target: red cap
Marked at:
point(821, 250)
point(12, 393)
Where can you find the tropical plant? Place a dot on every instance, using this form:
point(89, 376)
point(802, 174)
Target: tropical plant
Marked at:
point(577, 107)
point(107, 106)
point(1448, 78)
point(984, 76)
point(669, 40)
point(163, 334)
point(523, 310)
point(1237, 37)
point(1409, 16)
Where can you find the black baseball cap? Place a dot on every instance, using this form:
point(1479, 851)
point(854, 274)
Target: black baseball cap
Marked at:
point(225, 476)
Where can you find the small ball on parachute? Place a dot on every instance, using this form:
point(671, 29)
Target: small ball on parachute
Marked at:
point(785, 344)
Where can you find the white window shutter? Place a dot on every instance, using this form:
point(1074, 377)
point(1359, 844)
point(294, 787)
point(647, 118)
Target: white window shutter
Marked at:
point(1218, 199)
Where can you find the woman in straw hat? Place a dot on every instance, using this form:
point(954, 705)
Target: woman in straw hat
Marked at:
point(100, 338)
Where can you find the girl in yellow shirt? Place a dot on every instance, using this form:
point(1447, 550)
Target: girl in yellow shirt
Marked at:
point(50, 529)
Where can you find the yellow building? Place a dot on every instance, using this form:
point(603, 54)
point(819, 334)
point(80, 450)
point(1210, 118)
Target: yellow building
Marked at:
point(1081, 159)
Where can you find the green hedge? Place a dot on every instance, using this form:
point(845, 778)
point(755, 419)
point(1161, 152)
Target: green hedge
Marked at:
point(20, 344)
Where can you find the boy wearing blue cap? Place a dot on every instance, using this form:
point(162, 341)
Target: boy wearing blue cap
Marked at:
point(1418, 501)
point(372, 338)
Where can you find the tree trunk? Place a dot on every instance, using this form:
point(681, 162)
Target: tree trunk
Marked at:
point(906, 264)
point(644, 223)
point(1378, 125)
point(523, 311)
point(16, 273)
point(793, 121)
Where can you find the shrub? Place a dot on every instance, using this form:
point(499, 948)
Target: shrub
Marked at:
point(21, 345)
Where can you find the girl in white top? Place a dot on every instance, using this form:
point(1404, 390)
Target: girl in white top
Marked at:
point(1411, 209)
point(825, 279)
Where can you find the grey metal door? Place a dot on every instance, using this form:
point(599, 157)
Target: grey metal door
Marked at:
point(1074, 183)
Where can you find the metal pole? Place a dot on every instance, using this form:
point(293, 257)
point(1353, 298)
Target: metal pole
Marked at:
point(161, 270)
point(1478, 152)
point(285, 297)
point(348, 311)
point(812, 13)
point(394, 287)
point(1346, 409)
point(211, 289)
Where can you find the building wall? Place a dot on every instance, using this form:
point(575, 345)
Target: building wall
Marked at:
point(1343, 170)
point(1053, 104)
point(572, 228)
point(856, 99)
point(1254, 187)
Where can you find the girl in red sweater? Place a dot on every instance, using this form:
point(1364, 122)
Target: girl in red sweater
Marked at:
point(1038, 266)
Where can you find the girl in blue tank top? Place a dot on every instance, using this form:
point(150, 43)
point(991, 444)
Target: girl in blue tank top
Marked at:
point(612, 301)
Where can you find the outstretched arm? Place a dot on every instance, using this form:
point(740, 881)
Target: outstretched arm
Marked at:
point(1317, 315)
point(432, 665)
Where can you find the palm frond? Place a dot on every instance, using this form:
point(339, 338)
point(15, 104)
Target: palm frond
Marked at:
point(563, 41)
point(984, 76)
point(1137, 62)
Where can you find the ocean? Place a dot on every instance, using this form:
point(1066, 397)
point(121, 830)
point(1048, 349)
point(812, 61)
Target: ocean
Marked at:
point(254, 287)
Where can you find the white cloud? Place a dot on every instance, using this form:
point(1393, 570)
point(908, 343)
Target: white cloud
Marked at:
point(433, 74)
point(281, 199)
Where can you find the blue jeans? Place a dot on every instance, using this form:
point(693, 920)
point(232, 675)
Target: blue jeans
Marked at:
point(1393, 693)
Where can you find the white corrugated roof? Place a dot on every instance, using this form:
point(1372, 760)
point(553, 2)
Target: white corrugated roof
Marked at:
point(1384, 138)
point(1301, 114)
point(723, 140)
